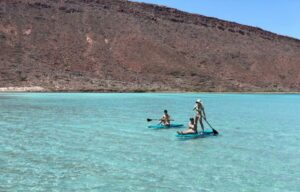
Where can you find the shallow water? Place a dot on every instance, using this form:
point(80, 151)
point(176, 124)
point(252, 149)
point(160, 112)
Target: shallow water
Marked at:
point(100, 142)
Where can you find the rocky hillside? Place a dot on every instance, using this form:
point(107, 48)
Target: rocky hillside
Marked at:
point(117, 45)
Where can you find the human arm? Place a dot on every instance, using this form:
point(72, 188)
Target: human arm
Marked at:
point(195, 107)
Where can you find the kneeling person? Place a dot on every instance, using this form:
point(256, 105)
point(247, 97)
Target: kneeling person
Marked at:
point(165, 119)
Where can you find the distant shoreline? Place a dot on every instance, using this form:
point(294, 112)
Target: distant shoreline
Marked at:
point(38, 89)
point(22, 89)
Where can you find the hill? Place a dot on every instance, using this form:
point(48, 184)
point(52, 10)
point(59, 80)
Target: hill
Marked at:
point(105, 45)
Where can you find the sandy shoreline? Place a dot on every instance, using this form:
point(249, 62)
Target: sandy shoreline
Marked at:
point(22, 89)
point(43, 90)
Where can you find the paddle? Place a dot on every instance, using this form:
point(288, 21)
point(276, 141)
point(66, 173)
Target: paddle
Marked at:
point(214, 131)
point(157, 120)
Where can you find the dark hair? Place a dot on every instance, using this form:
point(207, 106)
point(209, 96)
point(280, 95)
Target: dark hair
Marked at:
point(165, 111)
point(192, 119)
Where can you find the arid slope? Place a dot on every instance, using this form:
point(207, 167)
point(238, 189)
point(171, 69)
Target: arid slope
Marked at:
point(106, 45)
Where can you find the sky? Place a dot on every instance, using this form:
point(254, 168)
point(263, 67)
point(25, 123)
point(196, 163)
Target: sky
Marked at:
point(278, 16)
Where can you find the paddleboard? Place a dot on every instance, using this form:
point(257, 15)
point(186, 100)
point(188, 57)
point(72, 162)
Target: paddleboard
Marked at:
point(160, 126)
point(195, 135)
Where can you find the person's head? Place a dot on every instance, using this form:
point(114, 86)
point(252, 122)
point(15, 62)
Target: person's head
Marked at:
point(192, 120)
point(165, 111)
point(198, 101)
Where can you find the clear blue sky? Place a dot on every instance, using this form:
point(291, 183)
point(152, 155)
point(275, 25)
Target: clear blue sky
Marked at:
point(278, 16)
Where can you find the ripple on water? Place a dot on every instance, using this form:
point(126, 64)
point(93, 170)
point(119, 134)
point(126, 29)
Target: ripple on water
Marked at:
point(100, 142)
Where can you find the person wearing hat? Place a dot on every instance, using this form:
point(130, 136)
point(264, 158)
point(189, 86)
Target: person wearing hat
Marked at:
point(200, 113)
point(165, 119)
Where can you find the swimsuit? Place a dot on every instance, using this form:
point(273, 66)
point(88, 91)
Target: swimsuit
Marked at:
point(193, 128)
point(199, 111)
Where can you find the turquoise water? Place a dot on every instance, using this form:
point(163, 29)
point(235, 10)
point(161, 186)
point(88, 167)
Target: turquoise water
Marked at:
point(100, 142)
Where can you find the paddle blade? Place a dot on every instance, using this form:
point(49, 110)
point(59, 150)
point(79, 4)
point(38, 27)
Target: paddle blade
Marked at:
point(215, 132)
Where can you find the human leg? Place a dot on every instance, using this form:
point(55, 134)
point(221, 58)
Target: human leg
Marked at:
point(188, 131)
point(201, 123)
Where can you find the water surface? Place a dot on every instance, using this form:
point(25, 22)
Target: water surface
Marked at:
point(100, 142)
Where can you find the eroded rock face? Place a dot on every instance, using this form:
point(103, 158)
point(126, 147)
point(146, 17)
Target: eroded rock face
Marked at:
point(104, 45)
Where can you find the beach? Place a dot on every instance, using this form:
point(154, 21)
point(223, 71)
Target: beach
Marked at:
point(22, 89)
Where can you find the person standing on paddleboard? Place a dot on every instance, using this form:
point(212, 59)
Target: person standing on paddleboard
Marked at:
point(200, 113)
point(165, 119)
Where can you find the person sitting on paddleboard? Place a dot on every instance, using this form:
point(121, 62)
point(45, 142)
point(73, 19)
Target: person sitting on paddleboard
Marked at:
point(192, 128)
point(200, 113)
point(165, 119)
